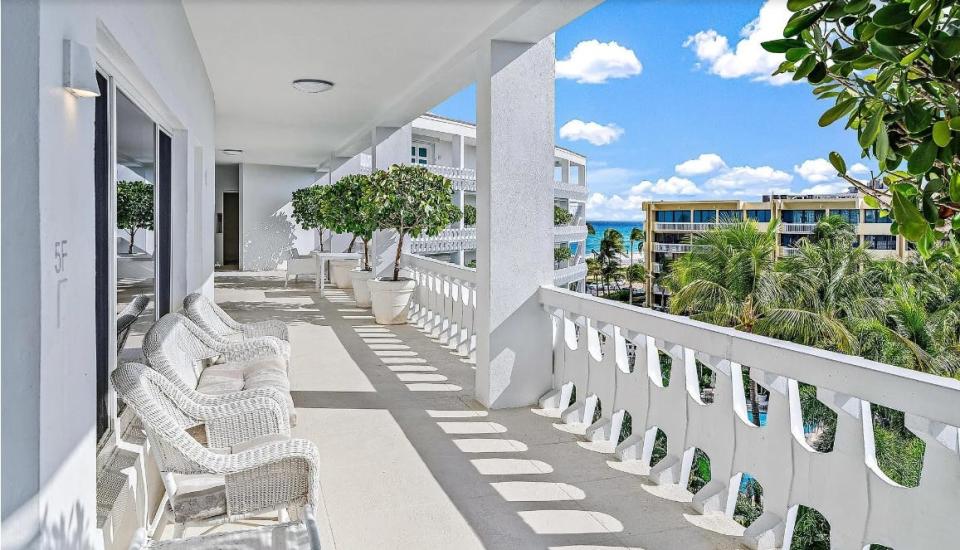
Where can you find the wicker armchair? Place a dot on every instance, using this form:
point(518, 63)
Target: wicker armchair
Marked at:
point(193, 360)
point(211, 317)
point(215, 485)
point(128, 316)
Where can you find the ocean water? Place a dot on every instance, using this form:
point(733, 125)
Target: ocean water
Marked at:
point(593, 241)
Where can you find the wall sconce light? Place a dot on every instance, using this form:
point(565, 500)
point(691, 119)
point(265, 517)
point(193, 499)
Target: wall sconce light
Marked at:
point(79, 72)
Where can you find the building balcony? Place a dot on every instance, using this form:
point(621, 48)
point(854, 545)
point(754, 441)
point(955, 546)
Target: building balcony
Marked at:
point(673, 248)
point(789, 251)
point(449, 240)
point(570, 191)
point(464, 179)
point(570, 274)
point(569, 233)
point(686, 227)
point(797, 227)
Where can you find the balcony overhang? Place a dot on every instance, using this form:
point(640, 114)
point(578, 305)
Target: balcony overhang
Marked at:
point(390, 62)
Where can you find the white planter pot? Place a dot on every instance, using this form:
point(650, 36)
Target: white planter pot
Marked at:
point(391, 299)
point(340, 272)
point(361, 291)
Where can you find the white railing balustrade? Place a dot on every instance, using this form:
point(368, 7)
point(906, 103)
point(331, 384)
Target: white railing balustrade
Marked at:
point(683, 226)
point(444, 302)
point(672, 247)
point(448, 240)
point(571, 191)
point(789, 251)
point(569, 233)
point(565, 275)
point(797, 227)
point(862, 505)
point(464, 179)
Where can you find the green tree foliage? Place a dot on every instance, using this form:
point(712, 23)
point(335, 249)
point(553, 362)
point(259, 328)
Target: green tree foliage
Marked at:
point(561, 216)
point(306, 203)
point(635, 274)
point(134, 208)
point(469, 215)
point(611, 247)
point(561, 254)
point(412, 201)
point(891, 68)
point(345, 209)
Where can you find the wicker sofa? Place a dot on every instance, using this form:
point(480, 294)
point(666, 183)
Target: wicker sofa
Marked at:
point(241, 463)
point(194, 360)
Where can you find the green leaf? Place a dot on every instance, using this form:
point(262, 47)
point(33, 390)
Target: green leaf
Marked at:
point(954, 123)
point(941, 133)
point(801, 21)
point(856, 6)
point(924, 15)
point(833, 113)
point(796, 54)
point(955, 187)
point(921, 161)
point(869, 133)
point(882, 148)
point(912, 56)
point(828, 87)
point(797, 5)
point(805, 66)
point(910, 221)
point(892, 15)
point(849, 54)
point(945, 45)
point(884, 52)
point(925, 243)
point(896, 37)
point(782, 45)
point(871, 201)
point(916, 117)
point(837, 161)
point(818, 73)
point(867, 62)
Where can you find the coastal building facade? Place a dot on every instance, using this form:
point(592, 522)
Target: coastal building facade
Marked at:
point(670, 226)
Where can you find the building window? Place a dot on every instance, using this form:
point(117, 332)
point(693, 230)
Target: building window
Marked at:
point(704, 216)
point(791, 241)
point(728, 216)
point(873, 216)
point(802, 216)
point(880, 242)
point(849, 215)
point(758, 215)
point(421, 153)
point(673, 216)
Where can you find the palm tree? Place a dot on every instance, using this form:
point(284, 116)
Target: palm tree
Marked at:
point(635, 273)
point(611, 247)
point(593, 271)
point(636, 235)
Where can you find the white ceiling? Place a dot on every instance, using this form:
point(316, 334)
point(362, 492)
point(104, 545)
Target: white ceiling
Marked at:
point(391, 60)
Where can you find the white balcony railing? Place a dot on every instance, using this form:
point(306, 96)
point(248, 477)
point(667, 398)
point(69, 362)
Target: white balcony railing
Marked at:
point(464, 179)
point(789, 251)
point(570, 274)
point(684, 226)
point(569, 233)
point(449, 240)
point(846, 485)
point(570, 191)
point(797, 227)
point(444, 302)
point(672, 247)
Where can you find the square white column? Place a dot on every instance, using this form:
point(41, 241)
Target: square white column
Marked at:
point(515, 160)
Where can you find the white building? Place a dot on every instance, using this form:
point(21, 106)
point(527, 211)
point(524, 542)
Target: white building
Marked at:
point(444, 458)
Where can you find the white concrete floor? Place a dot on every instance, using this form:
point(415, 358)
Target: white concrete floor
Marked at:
point(411, 461)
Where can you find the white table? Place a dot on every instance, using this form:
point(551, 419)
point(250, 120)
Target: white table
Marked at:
point(324, 257)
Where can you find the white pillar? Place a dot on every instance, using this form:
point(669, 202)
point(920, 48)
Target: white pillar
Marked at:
point(388, 146)
point(564, 170)
point(515, 154)
point(458, 152)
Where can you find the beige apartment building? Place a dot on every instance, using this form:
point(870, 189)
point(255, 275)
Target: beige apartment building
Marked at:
point(670, 226)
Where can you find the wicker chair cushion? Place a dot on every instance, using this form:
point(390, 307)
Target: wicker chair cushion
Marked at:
point(269, 372)
point(200, 496)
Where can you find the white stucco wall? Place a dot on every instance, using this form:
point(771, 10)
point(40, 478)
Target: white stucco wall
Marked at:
point(267, 228)
point(56, 504)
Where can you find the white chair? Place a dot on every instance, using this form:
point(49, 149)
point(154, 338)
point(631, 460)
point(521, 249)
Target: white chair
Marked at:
point(242, 473)
point(206, 314)
point(300, 264)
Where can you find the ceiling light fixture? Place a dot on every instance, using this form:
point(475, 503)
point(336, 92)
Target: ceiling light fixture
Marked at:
point(232, 152)
point(312, 85)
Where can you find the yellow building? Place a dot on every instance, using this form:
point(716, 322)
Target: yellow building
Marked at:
point(670, 225)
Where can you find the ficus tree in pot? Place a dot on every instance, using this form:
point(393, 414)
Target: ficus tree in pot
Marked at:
point(891, 68)
point(308, 208)
point(412, 201)
point(134, 208)
point(353, 215)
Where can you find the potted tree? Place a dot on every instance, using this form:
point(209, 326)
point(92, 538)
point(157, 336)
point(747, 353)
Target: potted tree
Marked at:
point(134, 208)
point(411, 201)
point(307, 211)
point(358, 218)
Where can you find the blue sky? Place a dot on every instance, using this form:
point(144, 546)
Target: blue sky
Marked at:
point(650, 85)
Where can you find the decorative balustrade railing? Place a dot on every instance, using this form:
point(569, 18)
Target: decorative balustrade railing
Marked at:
point(797, 227)
point(685, 226)
point(789, 251)
point(444, 302)
point(862, 505)
point(569, 233)
point(464, 179)
point(449, 240)
point(571, 191)
point(672, 247)
point(567, 274)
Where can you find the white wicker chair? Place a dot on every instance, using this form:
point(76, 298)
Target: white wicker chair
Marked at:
point(211, 318)
point(239, 481)
point(176, 348)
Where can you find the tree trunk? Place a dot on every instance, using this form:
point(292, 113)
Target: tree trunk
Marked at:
point(366, 255)
point(133, 233)
point(396, 260)
point(352, 242)
point(629, 280)
point(754, 402)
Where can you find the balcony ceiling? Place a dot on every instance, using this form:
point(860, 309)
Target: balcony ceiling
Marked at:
point(390, 61)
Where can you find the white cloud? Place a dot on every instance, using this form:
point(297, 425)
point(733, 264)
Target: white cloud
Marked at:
point(616, 207)
point(596, 134)
point(750, 180)
point(859, 168)
point(747, 58)
point(671, 186)
point(826, 188)
point(704, 164)
point(816, 170)
point(593, 62)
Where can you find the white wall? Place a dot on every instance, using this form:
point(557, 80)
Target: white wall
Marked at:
point(150, 43)
point(267, 228)
point(228, 180)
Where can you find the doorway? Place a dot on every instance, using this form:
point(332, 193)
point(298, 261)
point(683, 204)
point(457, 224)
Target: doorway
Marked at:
point(231, 230)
